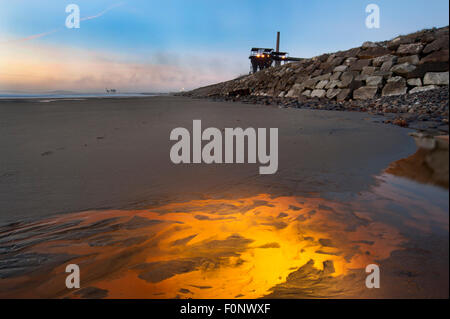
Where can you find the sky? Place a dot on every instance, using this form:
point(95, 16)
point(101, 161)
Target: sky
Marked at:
point(171, 45)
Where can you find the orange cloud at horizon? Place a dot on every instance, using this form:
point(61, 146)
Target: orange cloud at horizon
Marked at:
point(31, 68)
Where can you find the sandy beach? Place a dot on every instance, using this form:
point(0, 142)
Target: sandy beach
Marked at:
point(68, 156)
point(95, 175)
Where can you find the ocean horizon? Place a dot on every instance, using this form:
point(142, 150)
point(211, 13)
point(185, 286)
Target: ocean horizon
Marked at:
point(73, 95)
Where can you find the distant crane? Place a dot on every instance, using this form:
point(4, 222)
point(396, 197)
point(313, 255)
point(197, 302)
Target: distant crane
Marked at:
point(263, 58)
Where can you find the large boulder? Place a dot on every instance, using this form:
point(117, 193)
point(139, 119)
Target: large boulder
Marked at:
point(306, 93)
point(395, 86)
point(437, 56)
point(355, 84)
point(422, 88)
point(349, 61)
point(332, 93)
point(403, 69)
point(351, 53)
point(395, 43)
point(325, 76)
point(438, 44)
point(365, 92)
point(411, 59)
point(426, 67)
point(318, 93)
point(369, 44)
point(341, 68)
point(410, 49)
point(335, 76)
point(436, 78)
point(384, 74)
point(310, 84)
point(343, 95)
point(333, 84)
point(347, 78)
point(374, 80)
point(386, 66)
point(369, 70)
point(414, 82)
point(385, 58)
point(396, 79)
point(373, 52)
point(295, 91)
point(359, 65)
point(321, 84)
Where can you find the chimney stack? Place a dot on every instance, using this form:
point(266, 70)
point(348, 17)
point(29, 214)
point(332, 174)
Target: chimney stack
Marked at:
point(278, 63)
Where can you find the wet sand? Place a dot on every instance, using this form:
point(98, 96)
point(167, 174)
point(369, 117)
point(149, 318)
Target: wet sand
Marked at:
point(68, 156)
point(141, 227)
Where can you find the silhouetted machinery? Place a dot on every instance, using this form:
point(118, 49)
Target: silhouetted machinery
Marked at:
point(262, 58)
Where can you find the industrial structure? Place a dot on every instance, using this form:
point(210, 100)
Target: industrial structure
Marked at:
point(262, 58)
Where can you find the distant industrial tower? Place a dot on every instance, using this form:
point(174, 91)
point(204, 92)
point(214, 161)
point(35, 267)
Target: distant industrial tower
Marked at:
point(262, 58)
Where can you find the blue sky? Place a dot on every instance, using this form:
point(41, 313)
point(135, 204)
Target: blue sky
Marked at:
point(208, 40)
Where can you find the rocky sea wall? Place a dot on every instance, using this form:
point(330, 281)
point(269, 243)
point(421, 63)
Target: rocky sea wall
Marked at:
point(412, 63)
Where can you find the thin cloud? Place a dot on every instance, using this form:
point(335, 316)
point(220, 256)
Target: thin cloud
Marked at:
point(35, 36)
point(103, 12)
point(43, 34)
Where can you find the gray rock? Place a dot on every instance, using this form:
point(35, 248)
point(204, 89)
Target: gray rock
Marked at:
point(369, 44)
point(343, 95)
point(403, 69)
point(341, 68)
point(436, 78)
point(310, 84)
point(335, 76)
point(321, 84)
point(423, 88)
point(394, 88)
point(365, 92)
point(424, 68)
point(318, 93)
point(414, 82)
point(412, 59)
point(361, 77)
point(346, 79)
point(323, 77)
point(436, 57)
point(372, 52)
point(396, 79)
point(395, 43)
point(333, 84)
point(332, 93)
point(410, 49)
point(385, 58)
point(307, 93)
point(384, 74)
point(359, 65)
point(369, 70)
point(374, 80)
point(350, 61)
point(386, 66)
point(438, 44)
point(295, 91)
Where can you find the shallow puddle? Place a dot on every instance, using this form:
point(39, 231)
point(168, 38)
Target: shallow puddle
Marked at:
point(253, 247)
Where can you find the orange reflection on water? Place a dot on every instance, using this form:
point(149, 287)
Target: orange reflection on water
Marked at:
point(216, 248)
